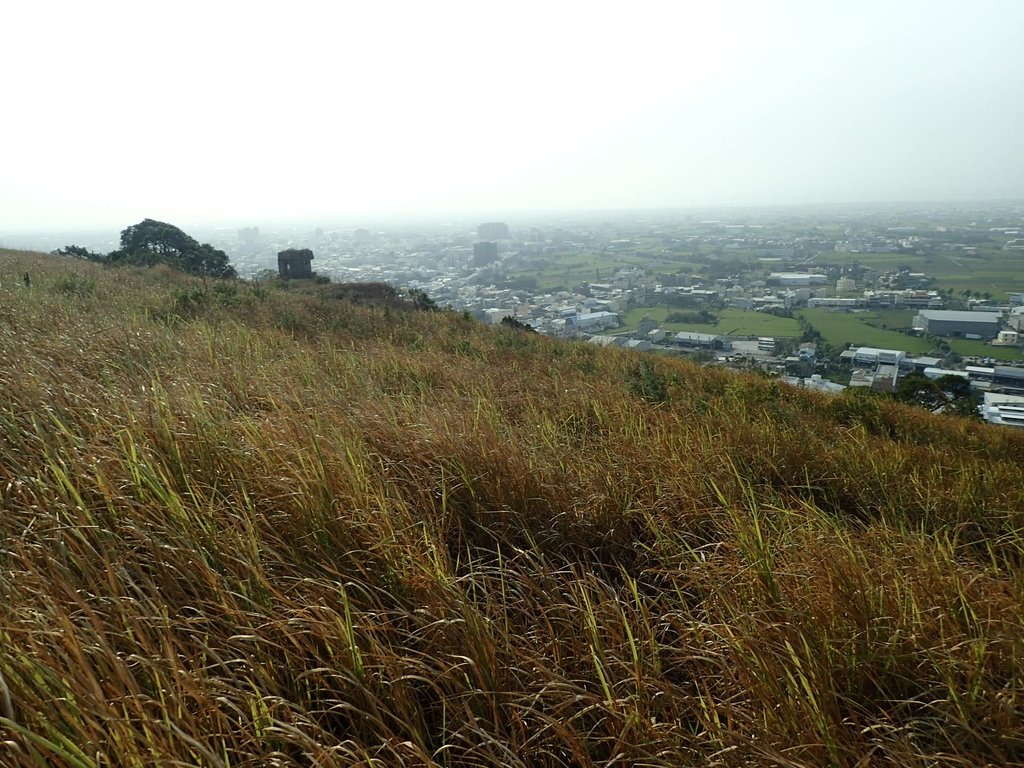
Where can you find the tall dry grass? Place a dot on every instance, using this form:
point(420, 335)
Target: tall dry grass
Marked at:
point(246, 527)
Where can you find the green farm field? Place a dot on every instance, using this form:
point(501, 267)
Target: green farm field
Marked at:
point(731, 322)
point(990, 270)
point(566, 271)
point(840, 328)
point(993, 272)
point(866, 329)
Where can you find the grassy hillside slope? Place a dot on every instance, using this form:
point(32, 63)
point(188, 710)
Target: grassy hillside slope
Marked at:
point(246, 527)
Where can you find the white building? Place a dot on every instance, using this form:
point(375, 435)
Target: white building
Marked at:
point(798, 278)
point(1003, 409)
point(932, 372)
point(872, 356)
point(592, 322)
point(834, 302)
point(818, 384)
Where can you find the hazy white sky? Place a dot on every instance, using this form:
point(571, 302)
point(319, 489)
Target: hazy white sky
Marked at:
point(239, 111)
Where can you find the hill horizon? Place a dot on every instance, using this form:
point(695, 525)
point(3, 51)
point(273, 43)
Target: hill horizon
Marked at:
point(470, 216)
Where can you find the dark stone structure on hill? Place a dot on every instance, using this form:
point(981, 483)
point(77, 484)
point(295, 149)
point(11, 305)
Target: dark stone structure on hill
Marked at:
point(295, 263)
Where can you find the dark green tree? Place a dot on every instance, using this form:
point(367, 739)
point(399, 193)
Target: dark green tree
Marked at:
point(511, 322)
point(950, 394)
point(156, 242)
point(421, 300)
point(962, 400)
point(79, 252)
point(917, 389)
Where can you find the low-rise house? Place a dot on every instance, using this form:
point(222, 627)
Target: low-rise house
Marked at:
point(797, 278)
point(607, 341)
point(640, 345)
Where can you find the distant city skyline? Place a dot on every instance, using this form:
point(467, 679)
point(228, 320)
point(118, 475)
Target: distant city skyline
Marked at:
point(233, 113)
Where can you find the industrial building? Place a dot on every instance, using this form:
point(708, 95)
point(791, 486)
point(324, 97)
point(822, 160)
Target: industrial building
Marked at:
point(941, 373)
point(872, 356)
point(1007, 379)
point(705, 340)
point(1000, 378)
point(834, 302)
point(797, 278)
point(591, 322)
point(946, 322)
point(1003, 409)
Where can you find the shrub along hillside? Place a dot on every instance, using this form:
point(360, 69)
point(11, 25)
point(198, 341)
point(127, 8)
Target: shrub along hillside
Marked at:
point(244, 526)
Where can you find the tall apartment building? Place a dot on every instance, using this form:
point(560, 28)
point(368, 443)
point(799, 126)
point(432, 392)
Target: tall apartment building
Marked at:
point(492, 230)
point(484, 253)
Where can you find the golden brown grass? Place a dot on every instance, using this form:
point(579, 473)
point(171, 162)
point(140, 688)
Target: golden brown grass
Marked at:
point(241, 527)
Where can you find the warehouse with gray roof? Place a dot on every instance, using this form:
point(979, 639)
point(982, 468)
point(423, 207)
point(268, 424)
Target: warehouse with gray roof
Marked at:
point(946, 322)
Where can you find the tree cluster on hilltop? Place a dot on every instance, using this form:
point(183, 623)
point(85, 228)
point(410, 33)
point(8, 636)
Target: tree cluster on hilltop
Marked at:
point(153, 242)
